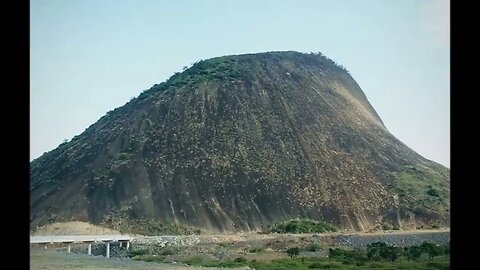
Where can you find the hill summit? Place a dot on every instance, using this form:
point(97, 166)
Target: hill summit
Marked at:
point(236, 143)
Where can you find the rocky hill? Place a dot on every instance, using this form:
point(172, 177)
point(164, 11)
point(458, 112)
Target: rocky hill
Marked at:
point(240, 142)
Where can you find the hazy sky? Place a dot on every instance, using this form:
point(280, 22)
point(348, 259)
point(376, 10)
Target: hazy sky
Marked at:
point(90, 56)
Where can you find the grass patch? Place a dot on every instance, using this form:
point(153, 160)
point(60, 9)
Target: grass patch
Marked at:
point(325, 265)
point(150, 258)
point(202, 261)
point(439, 263)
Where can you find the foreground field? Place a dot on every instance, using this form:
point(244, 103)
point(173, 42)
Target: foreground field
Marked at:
point(419, 251)
point(54, 260)
point(427, 250)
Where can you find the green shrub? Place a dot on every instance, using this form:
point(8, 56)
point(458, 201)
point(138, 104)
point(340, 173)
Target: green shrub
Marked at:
point(413, 252)
point(132, 253)
point(313, 247)
point(356, 256)
point(256, 249)
point(168, 251)
point(293, 252)
point(303, 226)
point(380, 250)
point(433, 192)
point(431, 249)
point(240, 259)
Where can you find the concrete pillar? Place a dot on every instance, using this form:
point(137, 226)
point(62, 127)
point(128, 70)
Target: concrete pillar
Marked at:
point(120, 245)
point(89, 252)
point(46, 246)
point(108, 250)
point(128, 244)
point(68, 248)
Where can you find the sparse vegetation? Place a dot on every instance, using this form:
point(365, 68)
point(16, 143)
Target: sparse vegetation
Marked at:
point(420, 187)
point(119, 220)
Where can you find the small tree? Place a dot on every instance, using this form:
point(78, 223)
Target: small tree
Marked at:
point(413, 252)
point(431, 249)
point(390, 253)
point(375, 250)
point(380, 250)
point(293, 252)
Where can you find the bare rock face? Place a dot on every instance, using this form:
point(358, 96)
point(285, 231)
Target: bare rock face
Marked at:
point(239, 142)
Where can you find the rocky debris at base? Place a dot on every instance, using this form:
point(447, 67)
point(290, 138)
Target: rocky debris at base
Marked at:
point(164, 241)
point(201, 244)
point(401, 240)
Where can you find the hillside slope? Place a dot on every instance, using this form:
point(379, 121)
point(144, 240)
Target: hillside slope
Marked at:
point(237, 143)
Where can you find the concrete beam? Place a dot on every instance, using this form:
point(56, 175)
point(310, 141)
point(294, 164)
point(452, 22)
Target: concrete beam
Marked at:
point(44, 239)
point(108, 250)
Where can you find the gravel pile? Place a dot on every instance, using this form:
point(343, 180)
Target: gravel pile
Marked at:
point(163, 241)
point(401, 240)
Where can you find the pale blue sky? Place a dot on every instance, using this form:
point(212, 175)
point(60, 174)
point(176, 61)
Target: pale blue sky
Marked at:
point(90, 56)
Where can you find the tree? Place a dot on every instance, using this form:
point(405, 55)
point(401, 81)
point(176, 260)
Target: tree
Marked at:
point(293, 252)
point(374, 250)
point(413, 252)
point(380, 250)
point(431, 249)
point(292, 227)
point(390, 253)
